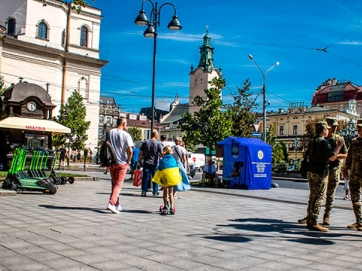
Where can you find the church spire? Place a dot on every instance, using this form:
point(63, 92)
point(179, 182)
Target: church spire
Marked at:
point(206, 53)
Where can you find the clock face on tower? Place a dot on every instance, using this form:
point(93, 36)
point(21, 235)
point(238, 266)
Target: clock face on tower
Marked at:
point(31, 106)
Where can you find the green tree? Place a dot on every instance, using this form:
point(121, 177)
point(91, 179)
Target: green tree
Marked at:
point(135, 133)
point(285, 150)
point(210, 124)
point(277, 148)
point(75, 4)
point(241, 111)
point(72, 115)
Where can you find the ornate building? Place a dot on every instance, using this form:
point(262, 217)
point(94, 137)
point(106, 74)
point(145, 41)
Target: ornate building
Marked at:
point(290, 125)
point(55, 47)
point(344, 96)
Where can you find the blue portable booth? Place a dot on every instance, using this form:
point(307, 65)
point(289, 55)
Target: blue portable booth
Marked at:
point(247, 162)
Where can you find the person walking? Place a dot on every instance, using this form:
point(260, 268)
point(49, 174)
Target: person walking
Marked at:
point(62, 153)
point(163, 140)
point(151, 152)
point(179, 153)
point(354, 165)
point(319, 154)
point(334, 168)
point(168, 175)
point(134, 161)
point(122, 145)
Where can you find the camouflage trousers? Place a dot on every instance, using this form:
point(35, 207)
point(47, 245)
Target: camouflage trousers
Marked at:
point(355, 184)
point(317, 189)
point(333, 181)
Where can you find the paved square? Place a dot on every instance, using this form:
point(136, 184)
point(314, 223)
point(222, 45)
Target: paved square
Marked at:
point(213, 229)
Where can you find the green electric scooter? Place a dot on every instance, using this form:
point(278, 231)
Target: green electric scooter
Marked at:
point(19, 180)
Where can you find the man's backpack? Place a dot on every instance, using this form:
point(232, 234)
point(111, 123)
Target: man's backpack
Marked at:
point(107, 155)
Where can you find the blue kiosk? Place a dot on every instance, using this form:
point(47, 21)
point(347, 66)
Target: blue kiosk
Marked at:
point(247, 162)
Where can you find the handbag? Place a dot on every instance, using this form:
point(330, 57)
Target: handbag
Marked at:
point(137, 177)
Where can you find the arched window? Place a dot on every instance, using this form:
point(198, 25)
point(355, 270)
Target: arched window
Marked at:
point(42, 31)
point(11, 26)
point(83, 36)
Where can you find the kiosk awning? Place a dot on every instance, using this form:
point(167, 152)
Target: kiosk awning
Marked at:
point(33, 125)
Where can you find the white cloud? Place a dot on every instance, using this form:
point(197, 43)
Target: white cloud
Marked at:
point(215, 38)
point(353, 42)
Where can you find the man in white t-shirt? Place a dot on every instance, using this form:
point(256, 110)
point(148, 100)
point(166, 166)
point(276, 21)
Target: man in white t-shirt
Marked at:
point(122, 144)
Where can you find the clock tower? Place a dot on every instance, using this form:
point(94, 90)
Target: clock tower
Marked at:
point(205, 72)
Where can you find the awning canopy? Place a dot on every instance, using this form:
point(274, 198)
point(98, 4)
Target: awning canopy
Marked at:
point(33, 125)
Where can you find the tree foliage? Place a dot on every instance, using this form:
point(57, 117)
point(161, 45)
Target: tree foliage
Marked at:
point(210, 124)
point(277, 148)
point(75, 4)
point(241, 111)
point(72, 115)
point(285, 150)
point(135, 133)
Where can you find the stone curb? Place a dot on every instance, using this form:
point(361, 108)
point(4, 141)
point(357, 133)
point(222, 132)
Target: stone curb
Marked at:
point(4, 192)
point(76, 179)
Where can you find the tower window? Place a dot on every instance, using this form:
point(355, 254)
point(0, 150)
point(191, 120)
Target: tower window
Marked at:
point(83, 36)
point(11, 27)
point(42, 31)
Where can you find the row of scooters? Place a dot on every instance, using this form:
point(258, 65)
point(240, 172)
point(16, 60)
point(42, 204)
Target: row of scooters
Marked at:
point(33, 177)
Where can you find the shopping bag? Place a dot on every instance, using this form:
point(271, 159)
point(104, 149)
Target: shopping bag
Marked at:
point(137, 177)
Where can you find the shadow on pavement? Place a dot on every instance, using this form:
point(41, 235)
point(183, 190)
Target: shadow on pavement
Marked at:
point(260, 225)
point(92, 209)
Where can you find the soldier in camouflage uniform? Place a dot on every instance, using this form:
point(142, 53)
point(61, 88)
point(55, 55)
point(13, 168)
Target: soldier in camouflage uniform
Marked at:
point(320, 153)
point(354, 164)
point(334, 168)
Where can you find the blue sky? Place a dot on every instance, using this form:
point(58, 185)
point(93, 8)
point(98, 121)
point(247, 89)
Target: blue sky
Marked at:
point(287, 31)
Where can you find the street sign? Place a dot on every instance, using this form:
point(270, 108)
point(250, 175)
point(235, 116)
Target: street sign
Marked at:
point(256, 134)
point(194, 159)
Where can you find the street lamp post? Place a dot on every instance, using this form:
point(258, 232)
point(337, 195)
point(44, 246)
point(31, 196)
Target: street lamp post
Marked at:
point(151, 32)
point(263, 91)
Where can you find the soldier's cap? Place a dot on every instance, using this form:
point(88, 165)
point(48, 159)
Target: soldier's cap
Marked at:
point(332, 121)
point(322, 124)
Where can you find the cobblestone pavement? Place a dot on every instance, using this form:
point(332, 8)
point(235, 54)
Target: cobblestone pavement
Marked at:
point(213, 229)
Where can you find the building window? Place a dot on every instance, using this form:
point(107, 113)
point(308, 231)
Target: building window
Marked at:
point(109, 120)
point(101, 119)
point(42, 31)
point(11, 27)
point(281, 130)
point(83, 88)
point(295, 129)
point(115, 122)
point(83, 36)
point(63, 38)
point(100, 131)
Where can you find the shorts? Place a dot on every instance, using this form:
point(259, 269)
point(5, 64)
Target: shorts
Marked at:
point(133, 165)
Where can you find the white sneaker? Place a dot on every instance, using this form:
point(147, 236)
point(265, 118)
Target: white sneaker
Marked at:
point(112, 208)
point(119, 208)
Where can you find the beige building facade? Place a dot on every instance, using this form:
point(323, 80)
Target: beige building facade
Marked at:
point(290, 125)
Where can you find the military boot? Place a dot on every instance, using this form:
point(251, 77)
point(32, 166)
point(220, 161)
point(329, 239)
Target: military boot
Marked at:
point(318, 227)
point(355, 226)
point(303, 220)
point(326, 220)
